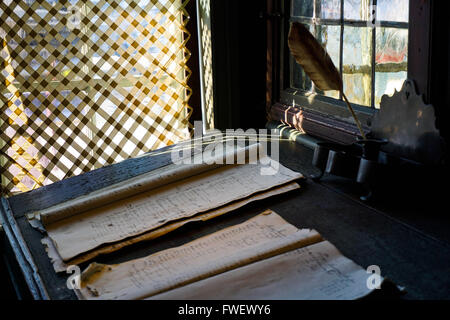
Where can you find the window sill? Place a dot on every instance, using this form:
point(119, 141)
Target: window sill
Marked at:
point(318, 117)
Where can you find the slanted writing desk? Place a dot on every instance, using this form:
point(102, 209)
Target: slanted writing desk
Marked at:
point(406, 254)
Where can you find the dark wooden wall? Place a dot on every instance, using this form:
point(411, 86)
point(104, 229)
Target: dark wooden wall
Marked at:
point(429, 54)
point(239, 63)
point(439, 94)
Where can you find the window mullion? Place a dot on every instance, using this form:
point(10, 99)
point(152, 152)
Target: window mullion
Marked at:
point(341, 47)
point(374, 34)
point(314, 25)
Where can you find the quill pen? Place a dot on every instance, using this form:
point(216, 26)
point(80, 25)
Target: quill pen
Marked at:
point(317, 64)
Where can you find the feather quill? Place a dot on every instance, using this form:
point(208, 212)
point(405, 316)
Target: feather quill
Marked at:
point(317, 64)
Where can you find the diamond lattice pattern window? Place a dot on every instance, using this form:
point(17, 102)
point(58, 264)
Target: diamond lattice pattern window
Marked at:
point(88, 83)
point(367, 41)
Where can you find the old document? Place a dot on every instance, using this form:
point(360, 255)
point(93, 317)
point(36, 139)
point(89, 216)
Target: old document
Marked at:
point(315, 272)
point(61, 266)
point(261, 237)
point(152, 209)
point(144, 182)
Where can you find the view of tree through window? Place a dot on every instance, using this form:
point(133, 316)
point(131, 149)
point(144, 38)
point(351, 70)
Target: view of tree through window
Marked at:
point(371, 54)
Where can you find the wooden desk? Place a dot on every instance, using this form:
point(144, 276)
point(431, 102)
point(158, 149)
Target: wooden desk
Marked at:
point(405, 254)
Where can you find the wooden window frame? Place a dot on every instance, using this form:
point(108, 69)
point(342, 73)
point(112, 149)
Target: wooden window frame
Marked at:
point(328, 118)
point(342, 22)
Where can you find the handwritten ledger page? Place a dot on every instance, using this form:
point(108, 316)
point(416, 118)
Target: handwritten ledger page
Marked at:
point(61, 266)
point(76, 233)
point(144, 182)
point(315, 272)
point(260, 237)
point(258, 256)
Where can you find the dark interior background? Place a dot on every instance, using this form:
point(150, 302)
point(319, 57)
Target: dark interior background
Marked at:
point(239, 63)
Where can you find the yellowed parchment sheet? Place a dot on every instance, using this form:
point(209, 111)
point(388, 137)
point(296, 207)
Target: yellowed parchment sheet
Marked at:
point(145, 182)
point(261, 237)
point(153, 209)
point(315, 272)
point(60, 266)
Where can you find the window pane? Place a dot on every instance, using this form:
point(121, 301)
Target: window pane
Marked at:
point(328, 9)
point(299, 78)
point(304, 8)
point(391, 61)
point(329, 37)
point(357, 9)
point(393, 10)
point(357, 59)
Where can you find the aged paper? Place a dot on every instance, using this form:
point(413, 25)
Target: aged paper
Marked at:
point(317, 272)
point(261, 237)
point(133, 186)
point(60, 266)
point(150, 210)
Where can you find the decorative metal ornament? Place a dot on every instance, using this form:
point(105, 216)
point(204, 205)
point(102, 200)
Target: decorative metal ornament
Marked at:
point(409, 126)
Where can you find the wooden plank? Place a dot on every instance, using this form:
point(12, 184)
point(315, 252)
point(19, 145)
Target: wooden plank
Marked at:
point(22, 253)
point(419, 45)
